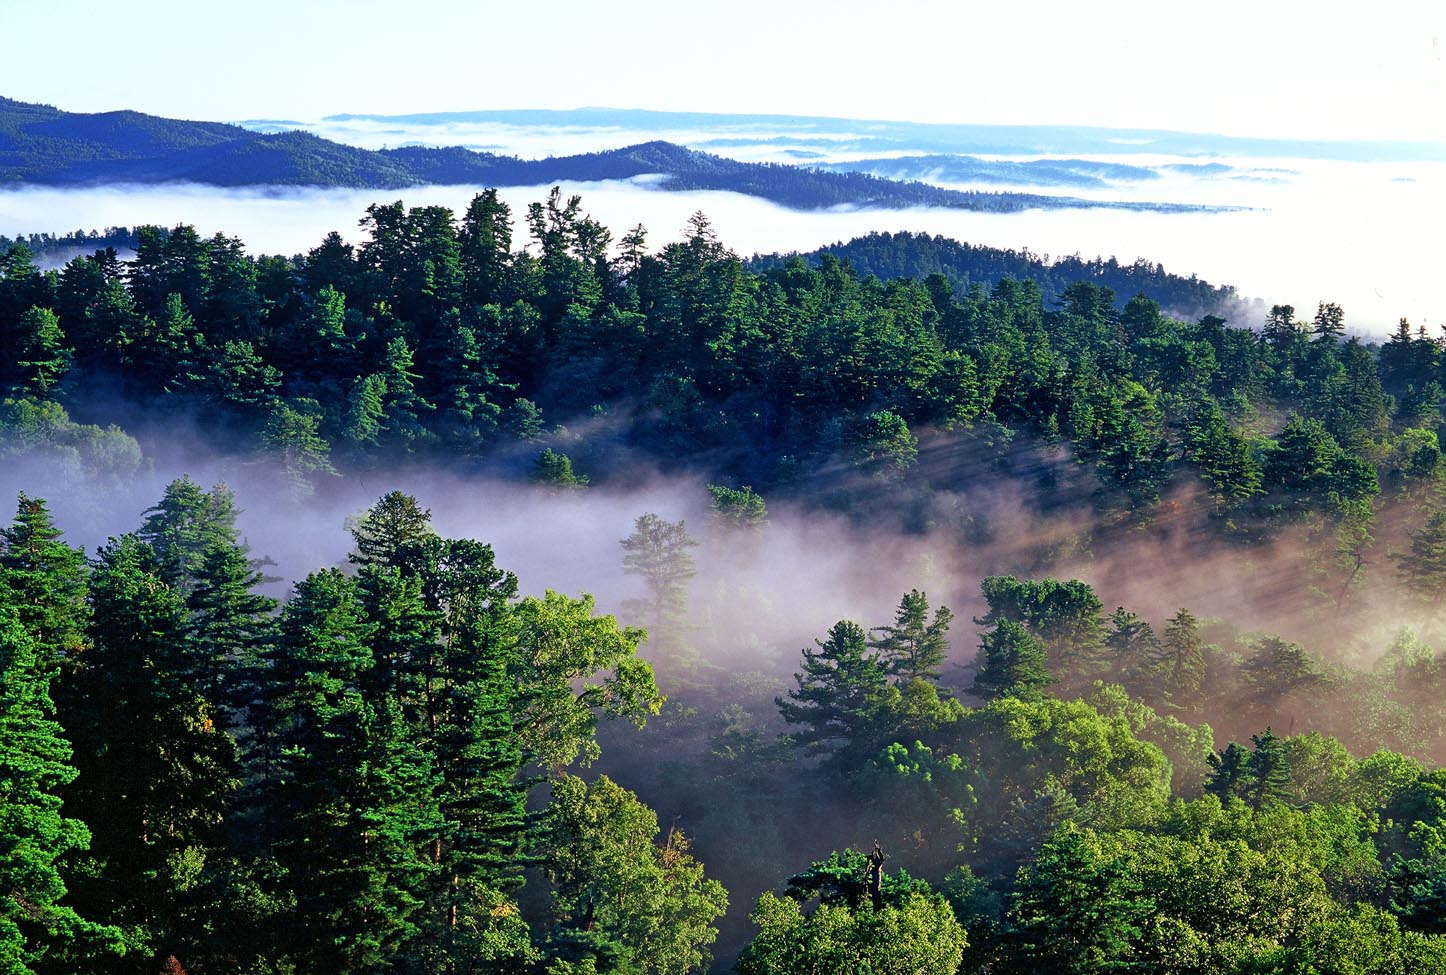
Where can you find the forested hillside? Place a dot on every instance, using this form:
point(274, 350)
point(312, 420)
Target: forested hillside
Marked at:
point(407, 766)
point(43, 146)
point(908, 255)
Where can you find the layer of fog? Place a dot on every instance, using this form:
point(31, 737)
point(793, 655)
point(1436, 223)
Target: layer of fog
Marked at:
point(1358, 235)
point(759, 597)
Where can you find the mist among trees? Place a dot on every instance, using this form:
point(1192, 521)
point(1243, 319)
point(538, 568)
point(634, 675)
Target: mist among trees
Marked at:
point(1171, 701)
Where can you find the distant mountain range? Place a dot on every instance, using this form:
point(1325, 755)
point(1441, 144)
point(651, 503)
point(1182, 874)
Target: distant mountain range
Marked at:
point(41, 145)
point(875, 135)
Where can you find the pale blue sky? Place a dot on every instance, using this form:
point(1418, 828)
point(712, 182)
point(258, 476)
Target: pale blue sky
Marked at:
point(1296, 69)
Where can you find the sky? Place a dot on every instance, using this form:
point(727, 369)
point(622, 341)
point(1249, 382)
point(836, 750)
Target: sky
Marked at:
point(1281, 68)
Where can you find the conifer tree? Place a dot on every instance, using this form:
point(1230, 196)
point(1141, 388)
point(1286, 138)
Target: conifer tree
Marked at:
point(1064, 616)
point(41, 354)
point(1078, 908)
point(1279, 668)
point(479, 857)
point(1014, 664)
point(1329, 323)
point(381, 532)
point(292, 431)
point(229, 626)
point(362, 423)
point(1268, 770)
point(354, 799)
point(1223, 457)
point(185, 525)
point(554, 470)
point(46, 582)
point(1132, 645)
point(740, 508)
point(1229, 774)
point(486, 249)
point(1179, 663)
point(1422, 570)
point(156, 771)
point(834, 707)
point(915, 646)
point(402, 405)
point(35, 834)
point(463, 378)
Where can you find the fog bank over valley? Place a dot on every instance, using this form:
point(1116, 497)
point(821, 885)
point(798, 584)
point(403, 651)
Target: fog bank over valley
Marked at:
point(1356, 234)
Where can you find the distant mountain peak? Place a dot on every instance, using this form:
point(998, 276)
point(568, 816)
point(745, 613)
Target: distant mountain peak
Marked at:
point(50, 147)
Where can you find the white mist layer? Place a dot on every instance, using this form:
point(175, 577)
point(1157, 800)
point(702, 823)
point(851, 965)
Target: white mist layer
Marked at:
point(760, 597)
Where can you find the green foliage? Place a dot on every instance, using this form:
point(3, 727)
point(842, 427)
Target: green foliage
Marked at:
point(78, 455)
point(41, 354)
point(570, 667)
point(554, 470)
point(387, 528)
point(1046, 761)
point(1177, 670)
point(354, 794)
point(1014, 664)
point(884, 446)
point(1064, 616)
point(1077, 908)
point(737, 508)
point(185, 525)
point(919, 935)
point(835, 705)
point(34, 834)
point(915, 646)
point(614, 883)
point(1224, 458)
point(156, 797)
point(356, 786)
point(295, 435)
point(658, 552)
point(1188, 748)
point(1259, 776)
point(1423, 569)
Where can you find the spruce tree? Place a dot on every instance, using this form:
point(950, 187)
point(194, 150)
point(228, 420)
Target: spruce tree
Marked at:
point(35, 834)
point(486, 249)
point(354, 796)
point(46, 580)
point(1229, 776)
point(386, 526)
point(157, 772)
point(1132, 644)
point(1014, 664)
point(1268, 770)
point(229, 626)
point(184, 525)
point(42, 355)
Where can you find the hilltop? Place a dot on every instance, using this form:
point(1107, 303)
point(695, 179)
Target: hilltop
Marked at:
point(42, 145)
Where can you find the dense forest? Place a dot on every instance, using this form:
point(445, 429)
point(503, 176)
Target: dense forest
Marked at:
point(43, 146)
point(1221, 755)
point(908, 255)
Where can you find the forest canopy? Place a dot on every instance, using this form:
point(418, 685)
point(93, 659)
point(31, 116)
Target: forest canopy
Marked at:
point(402, 763)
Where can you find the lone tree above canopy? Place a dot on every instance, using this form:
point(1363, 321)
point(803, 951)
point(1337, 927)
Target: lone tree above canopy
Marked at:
point(658, 551)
